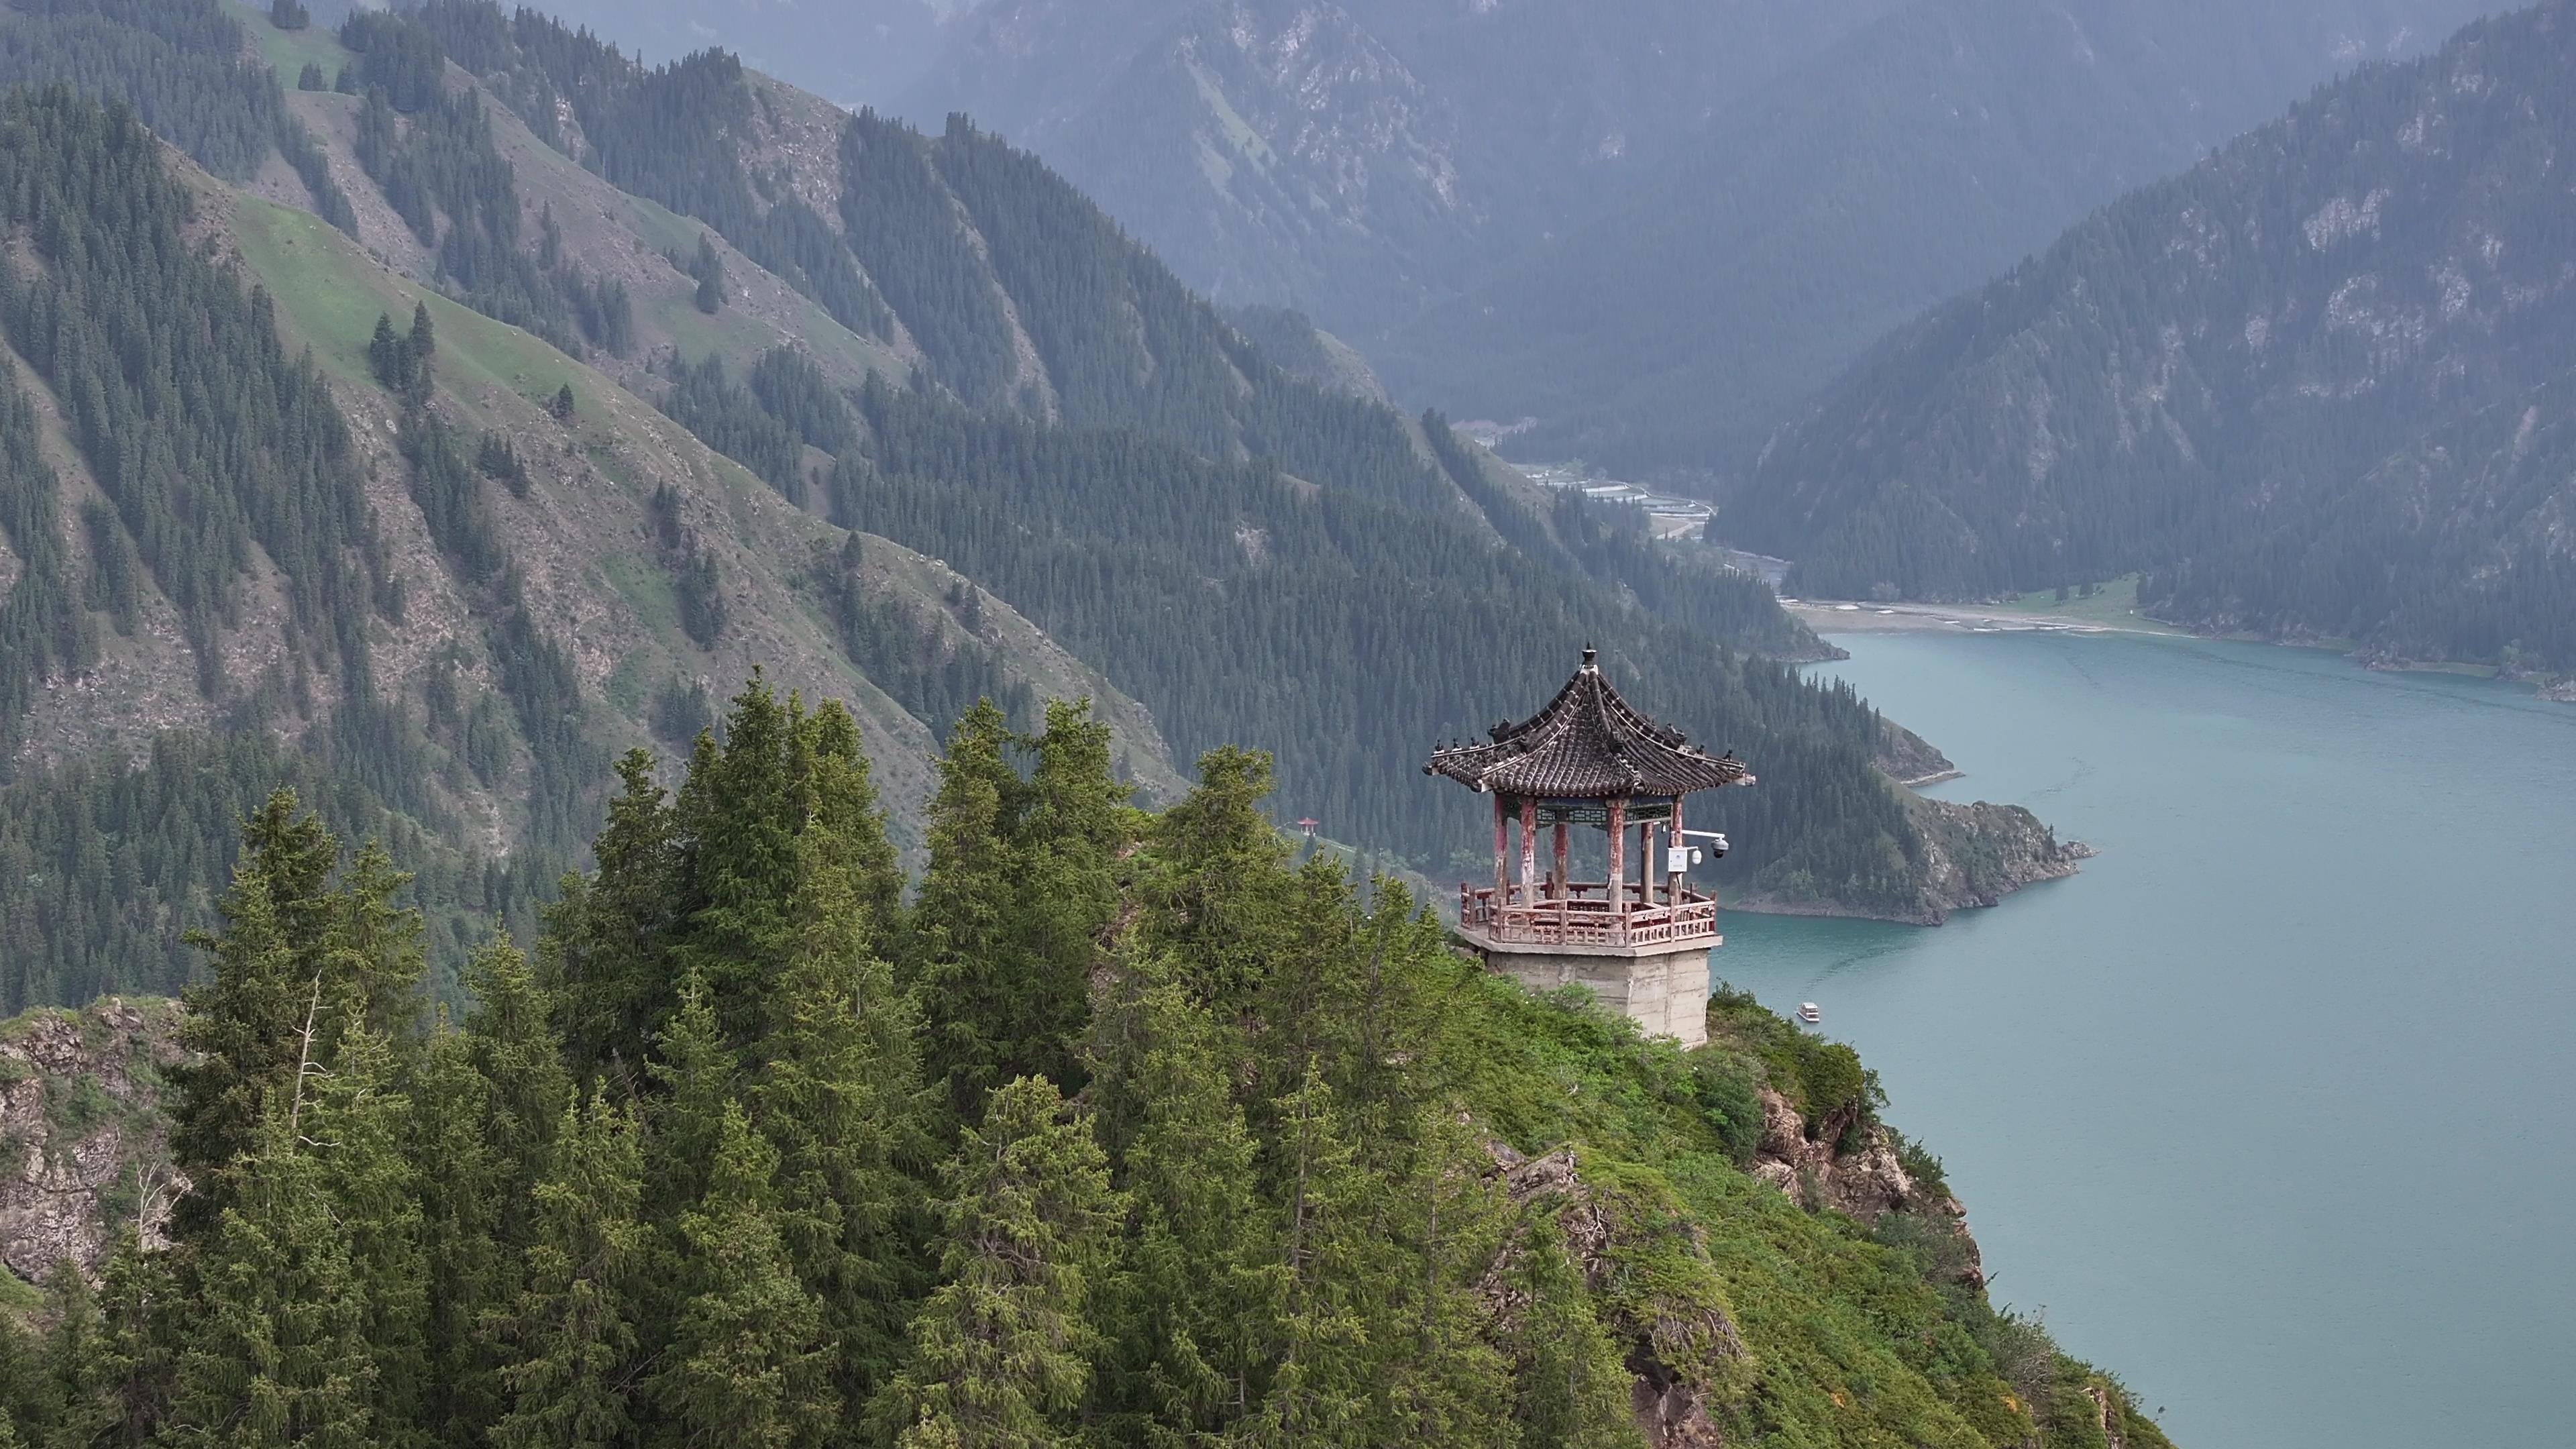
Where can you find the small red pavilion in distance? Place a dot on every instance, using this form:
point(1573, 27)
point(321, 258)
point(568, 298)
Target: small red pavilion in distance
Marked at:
point(1641, 943)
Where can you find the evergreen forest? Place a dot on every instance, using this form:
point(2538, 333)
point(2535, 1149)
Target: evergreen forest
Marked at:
point(1123, 1129)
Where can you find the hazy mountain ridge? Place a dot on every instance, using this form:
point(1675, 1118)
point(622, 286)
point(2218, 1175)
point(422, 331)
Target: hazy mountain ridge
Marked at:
point(1356, 159)
point(1916, 156)
point(2261, 382)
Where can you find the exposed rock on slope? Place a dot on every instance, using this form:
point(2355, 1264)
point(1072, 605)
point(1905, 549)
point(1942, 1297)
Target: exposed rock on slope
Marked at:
point(1980, 853)
point(1809, 1163)
point(83, 1149)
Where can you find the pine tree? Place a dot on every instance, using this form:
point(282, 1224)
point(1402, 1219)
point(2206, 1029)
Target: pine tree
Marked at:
point(1325, 1374)
point(1001, 1353)
point(972, 969)
point(273, 1007)
point(844, 856)
point(708, 268)
point(606, 947)
point(75, 1402)
point(842, 1102)
point(572, 1335)
point(357, 1124)
point(380, 942)
point(1442, 1227)
point(1076, 827)
point(1192, 1319)
point(275, 1351)
point(142, 1305)
point(515, 1048)
point(465, 1191)
point(750, 1362)
point(696, 1073)
point(741, 811)
point(1215, 887)
point(563, 405)
point(842, 1097)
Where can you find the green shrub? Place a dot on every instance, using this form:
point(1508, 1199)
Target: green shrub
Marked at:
point(1728, 1095)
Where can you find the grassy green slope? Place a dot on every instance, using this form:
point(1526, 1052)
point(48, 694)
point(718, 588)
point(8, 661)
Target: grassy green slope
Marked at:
point(1845, 1332)
point(580, 536)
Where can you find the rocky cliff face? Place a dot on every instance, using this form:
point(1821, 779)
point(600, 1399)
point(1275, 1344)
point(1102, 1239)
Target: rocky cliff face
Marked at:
point(1980, 853)
point(1807, 1162)
point(83, 1137)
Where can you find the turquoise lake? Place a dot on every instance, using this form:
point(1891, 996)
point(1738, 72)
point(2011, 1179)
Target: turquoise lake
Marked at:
point(2273, 1108)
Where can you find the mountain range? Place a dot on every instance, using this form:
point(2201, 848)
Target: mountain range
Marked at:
point(1647, 229)
point(2315, 387)
point(612, 383)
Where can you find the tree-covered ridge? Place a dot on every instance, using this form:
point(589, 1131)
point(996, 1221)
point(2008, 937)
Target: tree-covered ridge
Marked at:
point(2208, 382)
point(671, 133)
point(1350, 625)
point(432, 154)
point(210, 444)
point(1128, 1129)
point(179, 64)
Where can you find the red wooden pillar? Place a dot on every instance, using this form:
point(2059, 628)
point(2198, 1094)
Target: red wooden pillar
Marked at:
point(1674, 886)
point(1619, 867)
point(1646, 865)
point(1529, 849)
point(1501, 842)
point(1561, 891)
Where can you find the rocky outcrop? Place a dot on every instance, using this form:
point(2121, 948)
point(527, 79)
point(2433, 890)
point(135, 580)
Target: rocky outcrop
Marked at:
point(1805, 1160)
point(84, 1151)
point(2561, 692)
point(1978, 854)
point(1974, 855)
point(1679, 1345)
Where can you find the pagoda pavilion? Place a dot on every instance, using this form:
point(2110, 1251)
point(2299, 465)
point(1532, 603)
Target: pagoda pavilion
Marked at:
point(1638, 936)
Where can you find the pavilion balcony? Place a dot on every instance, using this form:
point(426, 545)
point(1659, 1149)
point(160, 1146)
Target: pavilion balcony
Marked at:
point(1585, 913)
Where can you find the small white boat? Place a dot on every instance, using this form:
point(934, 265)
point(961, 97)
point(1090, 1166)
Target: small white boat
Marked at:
point(1810, 1013)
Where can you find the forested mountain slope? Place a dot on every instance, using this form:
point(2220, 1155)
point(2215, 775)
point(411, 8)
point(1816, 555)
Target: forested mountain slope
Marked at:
point(2316, 386)
point(535, 400)
point(1127, 1128)
point(1253, 555)
point(449, 601)
point(1769, 245)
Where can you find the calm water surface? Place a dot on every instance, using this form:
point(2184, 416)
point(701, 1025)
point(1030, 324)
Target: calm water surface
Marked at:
point(2270, 1108)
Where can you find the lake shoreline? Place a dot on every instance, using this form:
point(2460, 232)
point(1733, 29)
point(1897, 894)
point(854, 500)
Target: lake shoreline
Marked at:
point(1829, 616)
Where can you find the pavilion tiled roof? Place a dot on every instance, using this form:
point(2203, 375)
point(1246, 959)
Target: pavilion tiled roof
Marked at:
point(1588, 744)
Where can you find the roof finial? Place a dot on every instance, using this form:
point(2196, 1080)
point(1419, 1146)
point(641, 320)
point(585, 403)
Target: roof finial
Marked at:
point(1590, 654)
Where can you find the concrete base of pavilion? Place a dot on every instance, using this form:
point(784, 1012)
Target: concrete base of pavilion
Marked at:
point(1663, 989)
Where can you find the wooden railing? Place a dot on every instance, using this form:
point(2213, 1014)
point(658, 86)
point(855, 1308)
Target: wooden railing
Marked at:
point(1585, 916)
